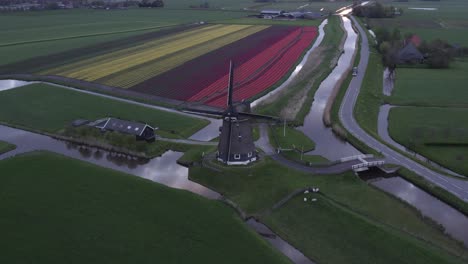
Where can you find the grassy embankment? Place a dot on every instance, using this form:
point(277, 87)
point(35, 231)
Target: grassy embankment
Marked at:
point(309, 82)
point(50, 109)
point(292, 142)
point(29, 34)
point(57, 210)
point(5, 147)
point(370, 226)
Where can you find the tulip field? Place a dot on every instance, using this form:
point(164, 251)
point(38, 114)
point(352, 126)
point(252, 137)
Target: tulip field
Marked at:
point(192, 65)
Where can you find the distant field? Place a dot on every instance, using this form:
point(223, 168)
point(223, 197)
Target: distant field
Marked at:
point(5, 147)
point(60, 210)
point(432, 87)
point(440, 134)
point(47, 32)
point(448, 21)
point(48, 108)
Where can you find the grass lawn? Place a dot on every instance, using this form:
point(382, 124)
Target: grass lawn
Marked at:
point(50, 109)
point(313, 159)
point(354, 239)
point(29, 34)
point(440, 134)
point(258, 188)
point(293, 138)
point(447, 22)
point(5, 147)
point(431, 87)
point(59, 210)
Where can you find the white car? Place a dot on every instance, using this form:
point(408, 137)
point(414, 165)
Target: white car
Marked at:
point(355, 71)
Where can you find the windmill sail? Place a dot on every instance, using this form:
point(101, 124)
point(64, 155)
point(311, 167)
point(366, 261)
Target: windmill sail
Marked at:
point(230, 84)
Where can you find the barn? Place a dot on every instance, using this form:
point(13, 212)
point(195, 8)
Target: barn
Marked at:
point(141, 131)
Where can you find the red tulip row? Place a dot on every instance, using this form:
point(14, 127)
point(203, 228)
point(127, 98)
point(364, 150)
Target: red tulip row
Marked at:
point(193, 76)
point(248, 68)
point(262, 71)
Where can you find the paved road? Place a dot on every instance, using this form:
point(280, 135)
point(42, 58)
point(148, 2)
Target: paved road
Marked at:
point(456, 186)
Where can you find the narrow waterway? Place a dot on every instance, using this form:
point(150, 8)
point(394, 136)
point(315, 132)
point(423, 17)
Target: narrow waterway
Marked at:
point(10, 84)
point(326, 143)
point(454, 222)
point(297, 70)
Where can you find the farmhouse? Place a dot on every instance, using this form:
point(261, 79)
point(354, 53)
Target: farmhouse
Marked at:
point(140, 130)
point(410, 54)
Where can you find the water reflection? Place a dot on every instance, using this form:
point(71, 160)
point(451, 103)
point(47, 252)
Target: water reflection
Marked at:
point(327, 144)
point(454, 222)
point(164, 169)
point(298, 68)
point(10, 84)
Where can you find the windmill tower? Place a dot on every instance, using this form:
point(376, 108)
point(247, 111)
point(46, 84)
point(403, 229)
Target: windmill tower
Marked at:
point(236, 145)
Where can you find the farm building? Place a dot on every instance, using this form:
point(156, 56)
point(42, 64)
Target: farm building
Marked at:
point(271, 13)
point(140, 130)
point(410, 54)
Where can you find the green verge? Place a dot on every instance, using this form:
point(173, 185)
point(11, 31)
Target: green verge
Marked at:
point(370, 97)
point(50, 109)
point(58, 210)
point(400, 227)
point(5, 147)
point(330, 45)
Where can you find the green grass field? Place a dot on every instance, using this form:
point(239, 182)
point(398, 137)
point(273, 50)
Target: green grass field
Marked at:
point(258, 188)
point(59, 210)
point(50, 109)
point(432, 87)
point(448, 21)
point(290, 138)
point(440, 134)
point(5, 147)
point(29, 34)
point(354, 238)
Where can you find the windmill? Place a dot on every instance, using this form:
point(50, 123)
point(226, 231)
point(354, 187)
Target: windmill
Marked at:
point(236, 145)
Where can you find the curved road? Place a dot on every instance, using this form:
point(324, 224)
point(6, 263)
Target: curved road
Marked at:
point(455, 186)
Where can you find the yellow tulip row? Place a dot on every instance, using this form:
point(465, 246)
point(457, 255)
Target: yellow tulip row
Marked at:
point(102, 69)
point(70, 68)
point(131, 77)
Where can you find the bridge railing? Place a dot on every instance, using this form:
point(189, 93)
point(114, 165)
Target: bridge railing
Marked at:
point(368, 164)
point(355, 157)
